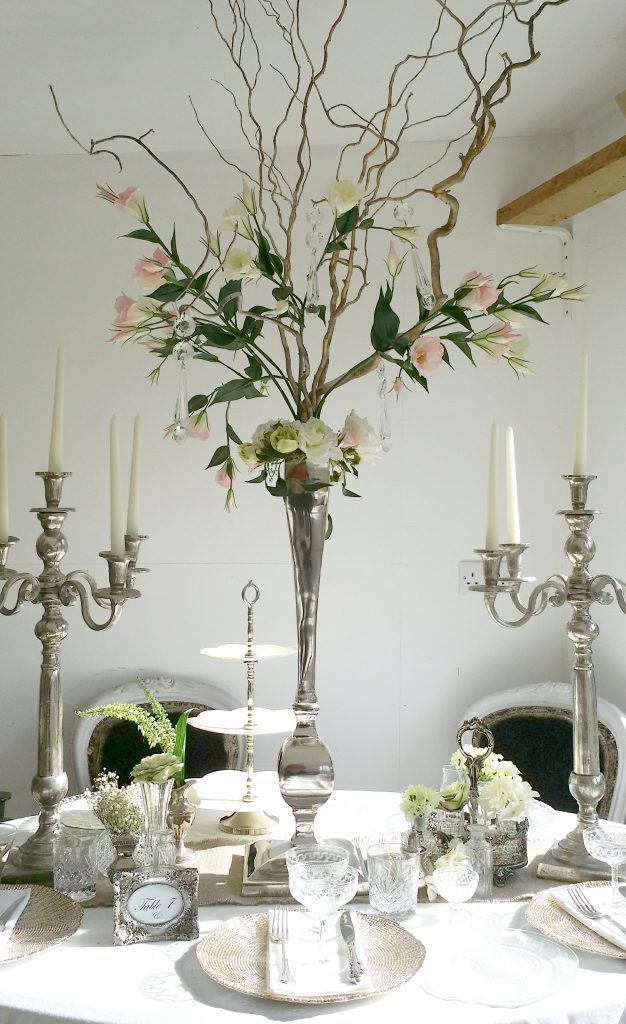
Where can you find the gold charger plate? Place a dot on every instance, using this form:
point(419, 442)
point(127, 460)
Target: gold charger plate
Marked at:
point(547, 916)
point(49, 918)
point(234, 955)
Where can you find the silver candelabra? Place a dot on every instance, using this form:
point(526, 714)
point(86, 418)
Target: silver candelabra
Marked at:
point(580, 590)
point(54, 590)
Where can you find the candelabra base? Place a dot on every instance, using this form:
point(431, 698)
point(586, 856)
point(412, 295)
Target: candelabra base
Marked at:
point(30, 862)
point(248, 823)
point(569, 861)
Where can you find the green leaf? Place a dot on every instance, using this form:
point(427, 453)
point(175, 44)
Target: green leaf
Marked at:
point(145, 234)
point(207, 356)
point(219, 456)
point(528, 311)
point(277, 263)
point(254, 369)
point(347, 221)
point(196, 403)
point(230, 308)
point(264, 257)
point(221, 337)
point(456, 313)
point(347, 493)
point(230, 430)
point(335, 246)
point(233, 390)
point(169, 291)
point(199, 284)
point(258, 479)
point(415, 375)
point(321, 312)
point(329, 527)
point(180, 743)
point(465, 348)
point(279, 490)
point(367, 223)
point(282, 292)
point(446, 356)
point(173, 245)
point(386, 323)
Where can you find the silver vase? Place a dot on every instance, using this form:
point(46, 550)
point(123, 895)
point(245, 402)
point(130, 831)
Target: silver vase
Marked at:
point(305, 768)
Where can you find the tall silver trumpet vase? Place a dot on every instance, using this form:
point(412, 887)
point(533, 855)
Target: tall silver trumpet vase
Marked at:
point(568, 859)
point(305, 768)
point(54, 590)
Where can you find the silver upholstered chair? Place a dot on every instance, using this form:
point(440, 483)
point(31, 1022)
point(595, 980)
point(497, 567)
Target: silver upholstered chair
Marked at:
point(532, 726)
point(114, 745)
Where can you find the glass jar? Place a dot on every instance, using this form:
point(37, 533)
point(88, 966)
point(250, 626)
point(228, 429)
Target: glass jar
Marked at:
point(481, 857)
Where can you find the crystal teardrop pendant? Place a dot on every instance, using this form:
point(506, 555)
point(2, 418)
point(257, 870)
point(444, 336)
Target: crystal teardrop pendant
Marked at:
point(314, 240)
point(403, 213)
point(383, 390)
point(182, 351)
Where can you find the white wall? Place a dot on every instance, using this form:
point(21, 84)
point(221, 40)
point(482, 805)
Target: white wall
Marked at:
point(401, 653)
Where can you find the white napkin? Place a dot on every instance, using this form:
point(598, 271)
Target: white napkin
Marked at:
point(311, 978)
point(7, 898)
point(600, 898)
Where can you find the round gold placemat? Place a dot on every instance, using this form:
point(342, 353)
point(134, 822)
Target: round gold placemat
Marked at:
point(547, 916)
point(49, 918)
point(234, 955)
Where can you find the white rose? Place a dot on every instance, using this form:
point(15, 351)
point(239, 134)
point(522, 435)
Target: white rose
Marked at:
point(555, 283)
point(344, 195)
point(239, 265)
point(358, 433)
point(236, 219)
point(318, 442)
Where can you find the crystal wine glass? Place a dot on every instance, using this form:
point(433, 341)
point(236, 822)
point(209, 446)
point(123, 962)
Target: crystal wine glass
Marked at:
point(608, 844)
point(456, 885)
point(321, 887)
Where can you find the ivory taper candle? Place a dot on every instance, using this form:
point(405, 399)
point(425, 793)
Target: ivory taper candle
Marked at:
point(118, 546)
point(580, 445)
point(492, 528)
point(4, 483)
point(132, 519)
point(55, 458)
point(512, 506)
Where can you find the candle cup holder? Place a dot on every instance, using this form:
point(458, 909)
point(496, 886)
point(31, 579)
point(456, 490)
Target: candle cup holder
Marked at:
point(133, 544)
point(54, 590)
point(492, 560)
point(568, 860)
point(5, 547)
point(513, 555)
point(52, 486)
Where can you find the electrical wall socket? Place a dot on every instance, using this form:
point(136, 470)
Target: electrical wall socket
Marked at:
point(470, 572)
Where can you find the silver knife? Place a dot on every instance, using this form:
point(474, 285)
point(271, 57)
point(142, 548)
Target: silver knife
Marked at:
point(356, 969)
point(6, 914)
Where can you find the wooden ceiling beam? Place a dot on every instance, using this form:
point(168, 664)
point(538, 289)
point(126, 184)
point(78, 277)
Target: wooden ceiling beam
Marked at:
point(597, 177)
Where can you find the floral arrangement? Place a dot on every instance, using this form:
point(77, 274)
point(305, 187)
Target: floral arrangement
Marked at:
point(118, 808)
point(153, 724)
point(419, 802)
point(240, 303)
point(454, 796)
point(503, 792)
point(157, 768)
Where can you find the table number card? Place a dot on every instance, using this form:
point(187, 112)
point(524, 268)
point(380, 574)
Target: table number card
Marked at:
point(155, 904)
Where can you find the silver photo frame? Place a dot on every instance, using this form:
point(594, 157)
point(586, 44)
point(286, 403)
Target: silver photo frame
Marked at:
point(155, 904)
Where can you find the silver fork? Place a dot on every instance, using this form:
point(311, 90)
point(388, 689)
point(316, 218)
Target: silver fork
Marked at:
point(279, 932)
point(582, 904)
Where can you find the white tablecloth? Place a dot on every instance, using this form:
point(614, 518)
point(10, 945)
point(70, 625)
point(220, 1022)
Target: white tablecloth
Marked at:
point(89, 981)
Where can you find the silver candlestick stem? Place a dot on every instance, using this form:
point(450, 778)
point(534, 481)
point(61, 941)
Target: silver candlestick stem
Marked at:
point(55, 590)
point(580, 590)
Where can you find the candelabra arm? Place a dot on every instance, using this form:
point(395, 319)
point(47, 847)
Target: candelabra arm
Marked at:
point(81, 574)
point(28, 592)
point(72, 589)
point(538, 601)
point(598, 592)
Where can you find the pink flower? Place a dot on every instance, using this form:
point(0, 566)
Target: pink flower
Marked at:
point(134, 319)
point(222, 478)
point(502, 334)
point(426, 355)
point(131, 201)
point(150, 273)
point(481, 295)
point(398, 386)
